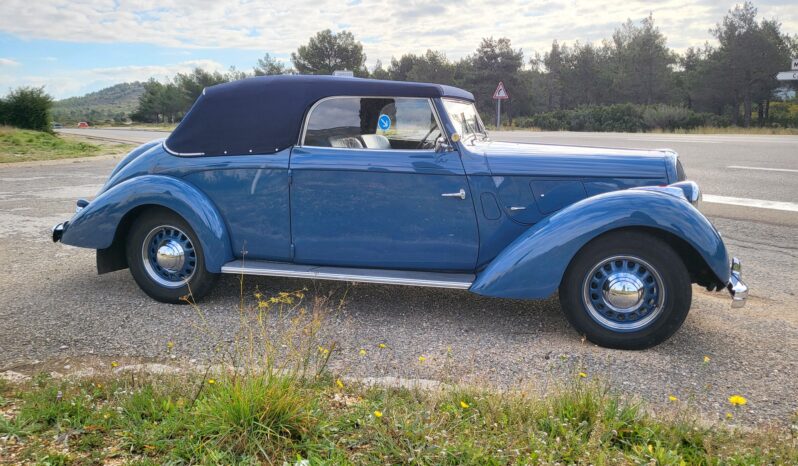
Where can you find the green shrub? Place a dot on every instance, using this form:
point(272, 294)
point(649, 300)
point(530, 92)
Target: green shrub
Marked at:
point(4, 113)
point(622, 118)
point(28, 108)
point(783, 114)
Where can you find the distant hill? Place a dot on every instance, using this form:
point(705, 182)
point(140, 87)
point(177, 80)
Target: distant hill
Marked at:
point(113, 103)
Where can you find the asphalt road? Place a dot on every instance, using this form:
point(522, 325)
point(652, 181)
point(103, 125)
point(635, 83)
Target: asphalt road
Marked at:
point(53, 305)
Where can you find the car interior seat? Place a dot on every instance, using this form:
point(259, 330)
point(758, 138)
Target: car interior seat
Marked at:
point(345, 141)
point(375, 141)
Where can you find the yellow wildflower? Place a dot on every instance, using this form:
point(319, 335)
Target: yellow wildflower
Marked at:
point(672, 398)
point(323, 350)
point(170, 344)
point(737, 400)
point(114, 364)
point(729, 416)
point(381, 345)
point(464, 405)
point(378, 414)
point(339, 383)
point(362, 352)
point(258, 296)
point(707, 359)
point(106, 416)
point(421, 359)
point(263, 305)
point(651, 448)
point(582, 375)
point(211, 381)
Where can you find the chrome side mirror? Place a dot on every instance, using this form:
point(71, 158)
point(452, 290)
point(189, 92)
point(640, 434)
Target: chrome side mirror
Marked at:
point(442, 145)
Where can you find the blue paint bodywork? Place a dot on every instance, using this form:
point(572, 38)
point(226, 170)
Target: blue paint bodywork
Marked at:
point(95, 226)
point(533, 264)
point(381, 209)
point(529, 208)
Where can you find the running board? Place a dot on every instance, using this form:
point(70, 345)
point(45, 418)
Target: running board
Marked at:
point(389, 277)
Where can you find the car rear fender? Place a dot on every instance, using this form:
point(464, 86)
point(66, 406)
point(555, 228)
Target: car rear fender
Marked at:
point(533, 265)
point(95, 226)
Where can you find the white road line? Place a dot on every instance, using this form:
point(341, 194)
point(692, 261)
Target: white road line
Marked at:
point(757, 203)
point(743, 167)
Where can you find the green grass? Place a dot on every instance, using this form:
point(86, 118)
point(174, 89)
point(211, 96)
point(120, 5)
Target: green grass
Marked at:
point(251, 419)
point(18, 145)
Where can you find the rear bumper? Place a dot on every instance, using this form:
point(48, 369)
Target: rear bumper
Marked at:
point(58, 231)
point(737, 289)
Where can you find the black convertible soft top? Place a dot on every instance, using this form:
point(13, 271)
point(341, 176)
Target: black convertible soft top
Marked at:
point(263, 115)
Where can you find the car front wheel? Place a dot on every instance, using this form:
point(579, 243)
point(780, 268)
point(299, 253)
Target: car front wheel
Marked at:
point(166, 259)
point(626, 290)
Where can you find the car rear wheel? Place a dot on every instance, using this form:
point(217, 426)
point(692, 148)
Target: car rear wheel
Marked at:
point(166, 259)
point(626, 290)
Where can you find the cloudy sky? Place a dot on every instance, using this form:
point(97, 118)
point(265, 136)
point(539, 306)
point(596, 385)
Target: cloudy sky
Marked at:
point(76, 46)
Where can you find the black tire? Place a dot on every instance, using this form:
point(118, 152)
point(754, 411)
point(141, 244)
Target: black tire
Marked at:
point(173, 287)
point(624, 257)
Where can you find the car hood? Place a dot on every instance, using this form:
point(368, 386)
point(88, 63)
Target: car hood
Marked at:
point(552, 160)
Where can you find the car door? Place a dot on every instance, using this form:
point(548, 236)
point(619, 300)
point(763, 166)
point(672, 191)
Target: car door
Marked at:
point(368, 189)
point(251, 193)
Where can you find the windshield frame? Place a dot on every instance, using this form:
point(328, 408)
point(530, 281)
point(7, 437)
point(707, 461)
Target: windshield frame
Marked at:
point(465, 133)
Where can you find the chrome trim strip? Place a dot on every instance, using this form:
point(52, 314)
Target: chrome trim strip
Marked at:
point(181, 154)
point(388, 277)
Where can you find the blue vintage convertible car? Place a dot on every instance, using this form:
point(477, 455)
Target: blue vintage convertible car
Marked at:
point(397, 182)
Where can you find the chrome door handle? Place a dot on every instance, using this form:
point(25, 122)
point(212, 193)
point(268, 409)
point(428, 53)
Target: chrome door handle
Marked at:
point(461, 194)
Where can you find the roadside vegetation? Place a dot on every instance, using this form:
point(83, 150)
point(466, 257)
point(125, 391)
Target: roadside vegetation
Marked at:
point(21, 145)
point(278, 419)
point(26, 107)
point(269, 396)
point(730, 82)
point(658, 118)
point(631, 81)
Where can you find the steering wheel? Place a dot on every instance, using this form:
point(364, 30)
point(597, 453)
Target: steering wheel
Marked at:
point(423, 141)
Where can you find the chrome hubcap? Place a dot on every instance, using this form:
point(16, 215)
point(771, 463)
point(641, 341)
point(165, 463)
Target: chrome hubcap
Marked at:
point(168, 256)
point(171, 256)
point(623, 293)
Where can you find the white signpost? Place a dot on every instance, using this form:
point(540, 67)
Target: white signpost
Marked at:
point(789, 75)
point(498, 95)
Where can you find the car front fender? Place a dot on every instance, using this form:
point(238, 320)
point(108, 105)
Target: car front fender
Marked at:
point(533, 265)
point(96, 225)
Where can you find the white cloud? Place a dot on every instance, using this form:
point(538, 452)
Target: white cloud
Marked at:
point(70, 83)
point(386, 28)
point(8, 62)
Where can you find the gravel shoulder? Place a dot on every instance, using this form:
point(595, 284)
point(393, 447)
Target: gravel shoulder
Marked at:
point(53, 307)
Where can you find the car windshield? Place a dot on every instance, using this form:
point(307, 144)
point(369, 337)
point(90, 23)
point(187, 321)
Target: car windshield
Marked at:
point(465, 118)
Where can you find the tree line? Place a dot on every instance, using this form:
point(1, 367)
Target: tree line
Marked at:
point(732, 78)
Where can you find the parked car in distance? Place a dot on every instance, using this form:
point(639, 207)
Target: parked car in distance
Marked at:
point(55, 125)
point(399, 183)
point(83, 124)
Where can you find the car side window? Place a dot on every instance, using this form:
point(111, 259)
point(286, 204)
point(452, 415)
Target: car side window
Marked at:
point(385, 123)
